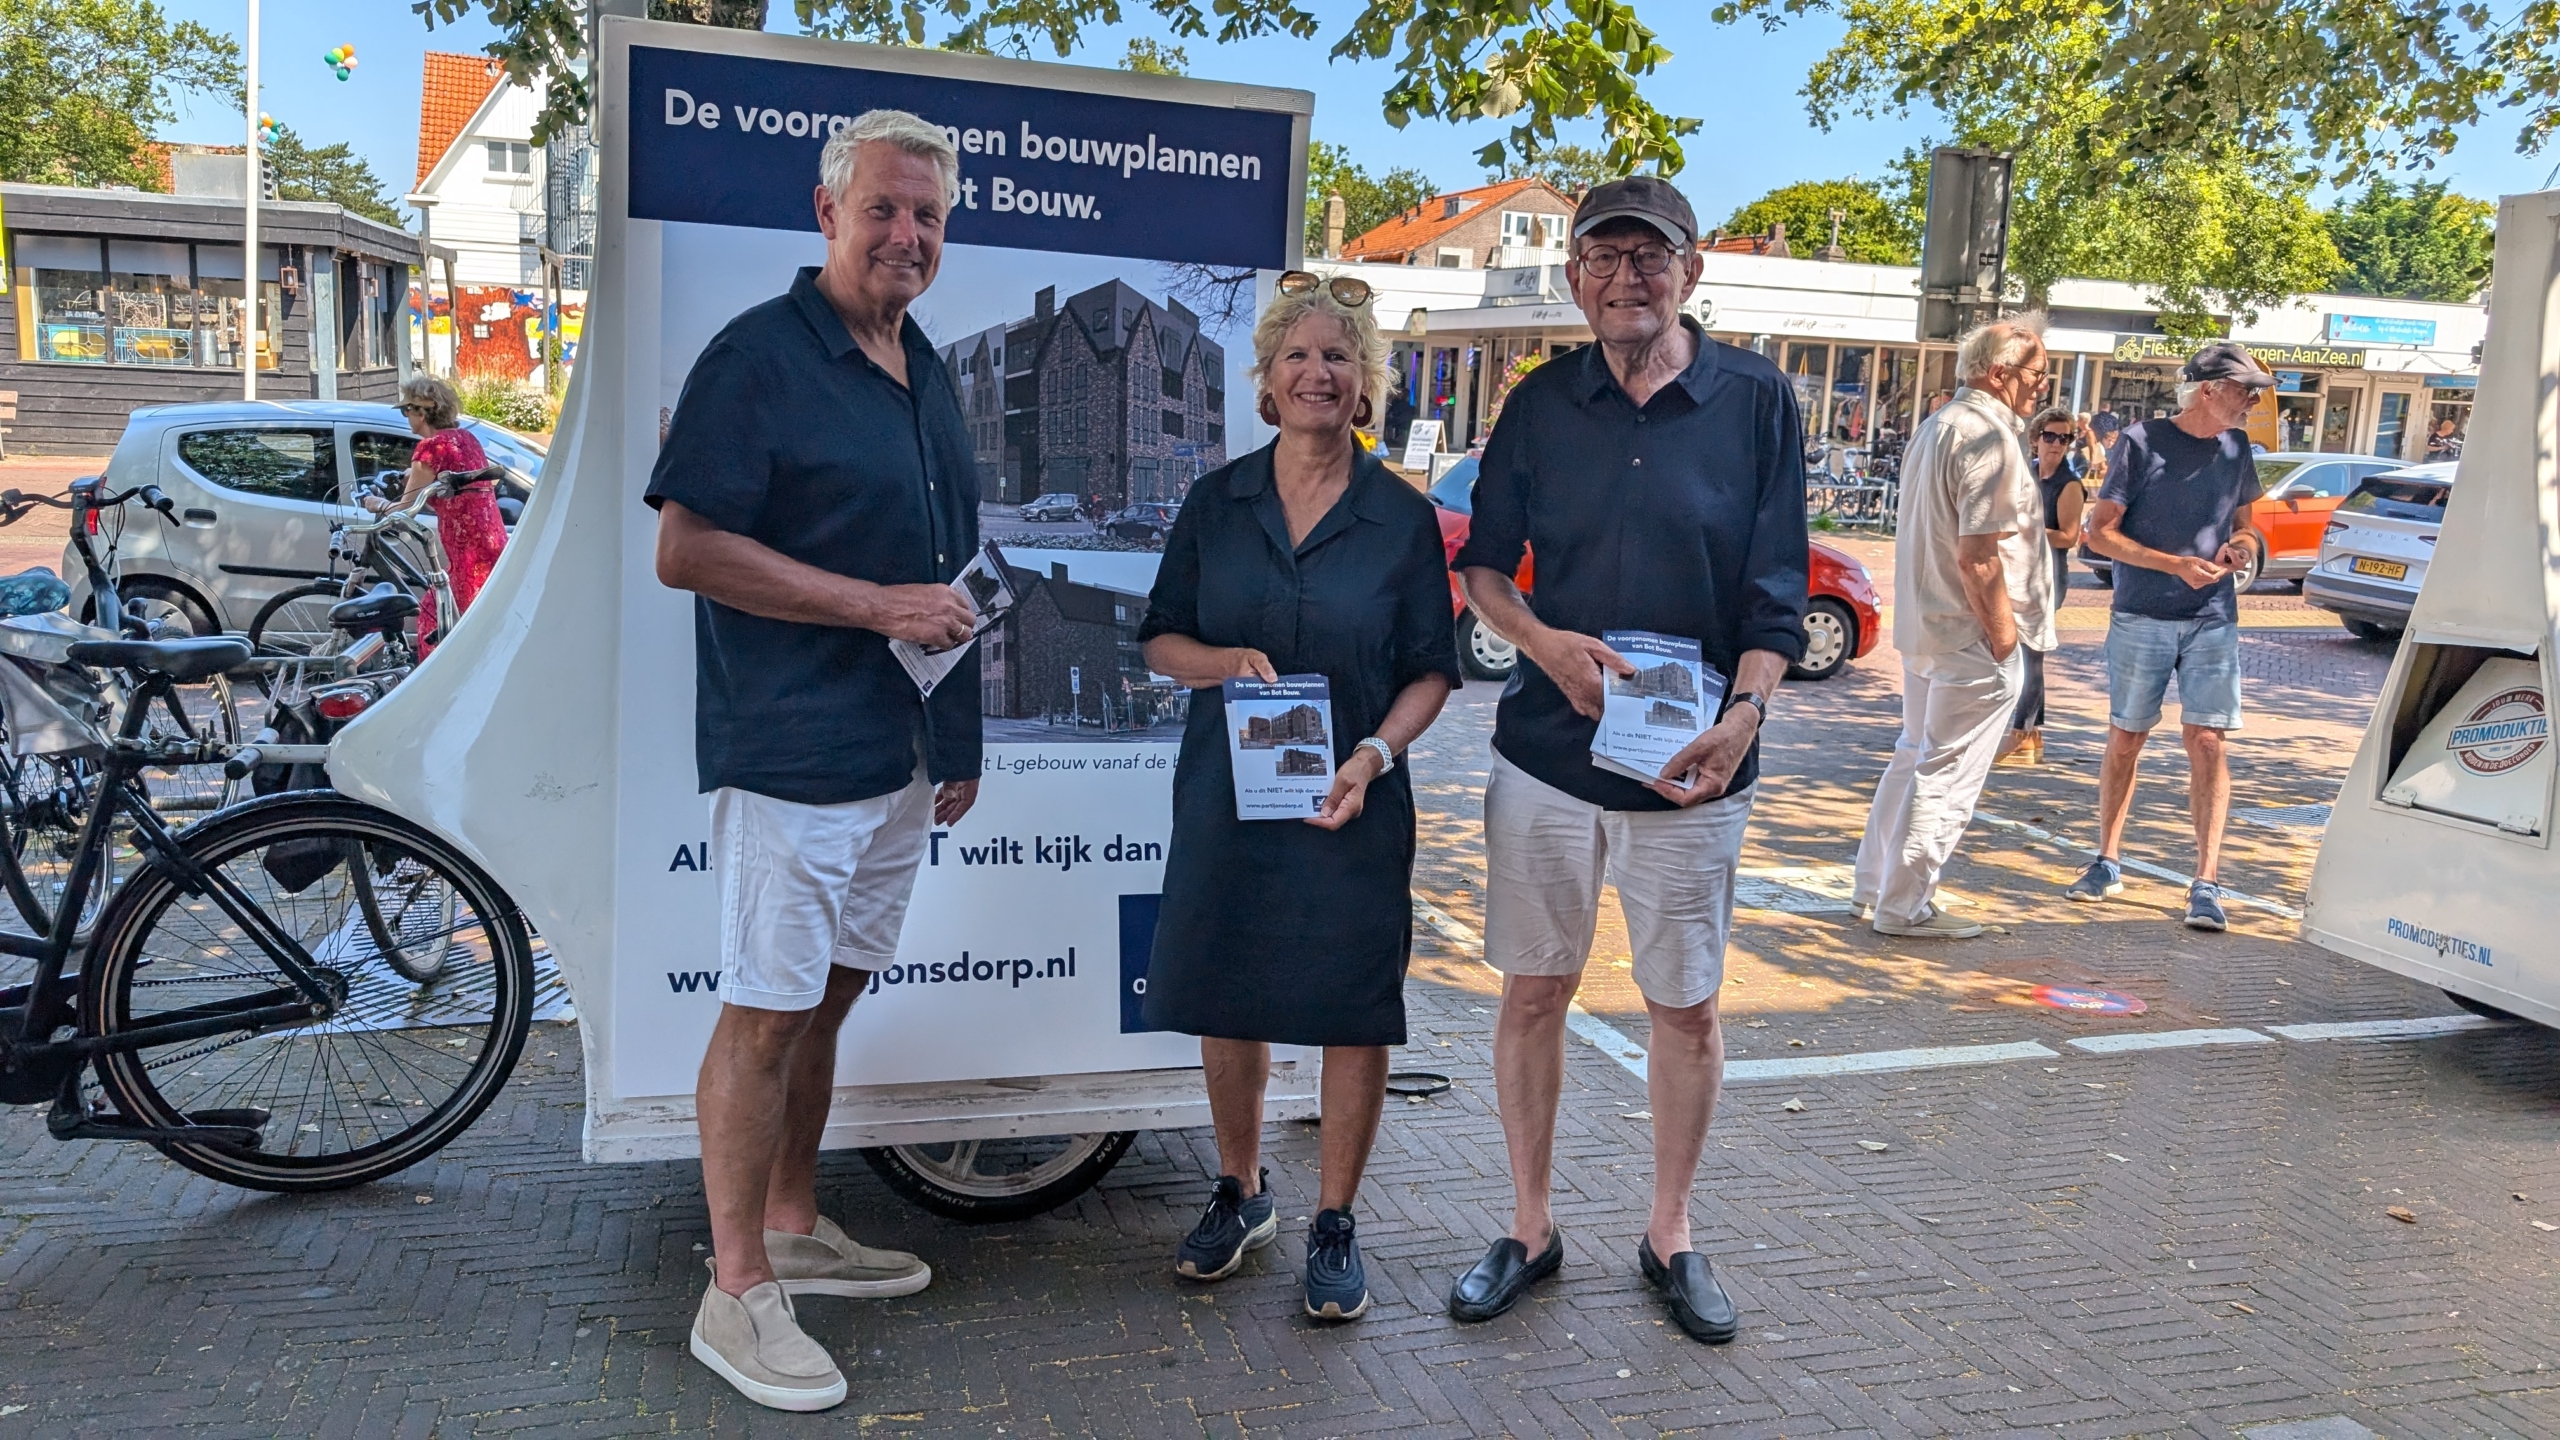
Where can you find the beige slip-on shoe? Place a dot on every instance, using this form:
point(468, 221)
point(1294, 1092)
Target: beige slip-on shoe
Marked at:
point(1936, 924)
point(832, 1263)
point(754, 1342)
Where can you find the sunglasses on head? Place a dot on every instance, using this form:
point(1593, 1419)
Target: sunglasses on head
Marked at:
point(1349, 293)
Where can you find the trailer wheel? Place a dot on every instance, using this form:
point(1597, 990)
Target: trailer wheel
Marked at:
point(2479, 1007)
point(1010, 1179)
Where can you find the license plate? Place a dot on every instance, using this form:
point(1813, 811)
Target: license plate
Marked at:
point(2382, 569)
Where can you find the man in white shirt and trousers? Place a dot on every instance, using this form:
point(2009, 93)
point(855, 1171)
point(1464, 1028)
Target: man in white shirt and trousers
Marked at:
point(1972, 582)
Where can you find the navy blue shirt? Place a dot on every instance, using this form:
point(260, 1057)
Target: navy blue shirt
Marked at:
point(2180, 496)
point(1684, 516)
point(788, 434)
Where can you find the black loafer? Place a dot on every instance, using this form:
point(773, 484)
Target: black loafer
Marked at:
point(1504, 1275)
point(1697, 1301)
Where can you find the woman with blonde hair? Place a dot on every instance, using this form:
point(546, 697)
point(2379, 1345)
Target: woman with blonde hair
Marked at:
point(1305, 557)
point(2066, 460)
point(468, 525)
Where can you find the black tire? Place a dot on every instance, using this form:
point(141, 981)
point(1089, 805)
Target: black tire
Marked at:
point(408, 899)
point(2369, 631)
point(1830, 638)
point(330, 1092)
point(47, 799)
point(296, 622)
point(1042, 1181)
point(2480, 1007)
point(2251, 568)
point(1483, 654)
point(175, 606)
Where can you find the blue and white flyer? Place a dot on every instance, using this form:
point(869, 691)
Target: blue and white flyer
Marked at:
point(1652, 715)
point(1280, 738)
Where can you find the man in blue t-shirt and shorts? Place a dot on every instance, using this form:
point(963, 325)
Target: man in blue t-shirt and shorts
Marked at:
point(2170, 516)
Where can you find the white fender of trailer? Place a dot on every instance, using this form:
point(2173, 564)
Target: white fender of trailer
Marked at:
point(2438, 862)
point(512, 739)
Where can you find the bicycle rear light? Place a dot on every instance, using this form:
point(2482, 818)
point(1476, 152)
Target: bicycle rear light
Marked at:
point(344, 704)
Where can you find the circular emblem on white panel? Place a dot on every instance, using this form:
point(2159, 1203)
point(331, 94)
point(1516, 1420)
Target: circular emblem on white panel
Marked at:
point(2508, 729)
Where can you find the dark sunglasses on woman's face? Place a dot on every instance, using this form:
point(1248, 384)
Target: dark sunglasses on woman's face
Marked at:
point(1349, 293)
point(2058, 437)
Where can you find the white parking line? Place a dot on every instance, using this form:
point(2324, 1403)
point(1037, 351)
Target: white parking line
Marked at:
point(2165, 1040)
point(1614, 1043)
point(1868, 1062)
point(2138, 867)
point(2390, 1029)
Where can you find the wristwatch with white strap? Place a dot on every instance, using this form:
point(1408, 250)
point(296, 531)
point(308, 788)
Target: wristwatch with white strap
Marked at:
point(1386, 753)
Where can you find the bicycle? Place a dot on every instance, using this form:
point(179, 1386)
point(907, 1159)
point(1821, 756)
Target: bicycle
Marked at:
point(298, 622)
point(44, 797)
point(229, 1005)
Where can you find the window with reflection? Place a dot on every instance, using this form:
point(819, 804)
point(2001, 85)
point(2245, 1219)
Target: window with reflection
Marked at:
point(1808, 367)
point(62, 298)
point(151, 302)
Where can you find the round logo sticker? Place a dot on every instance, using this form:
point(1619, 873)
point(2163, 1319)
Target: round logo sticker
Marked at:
point(2507, 730)
point(2083, 1000)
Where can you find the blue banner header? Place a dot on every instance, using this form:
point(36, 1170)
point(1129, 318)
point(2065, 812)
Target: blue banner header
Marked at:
point(2380, 330)
point(734, 140)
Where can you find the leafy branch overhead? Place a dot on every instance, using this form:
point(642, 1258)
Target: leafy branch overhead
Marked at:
point(1533, 62)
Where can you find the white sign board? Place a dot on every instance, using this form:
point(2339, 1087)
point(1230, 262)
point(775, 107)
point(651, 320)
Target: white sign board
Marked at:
point(1420, 444)
point(552, 735)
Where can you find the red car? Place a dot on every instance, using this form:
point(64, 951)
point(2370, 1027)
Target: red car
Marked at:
point(1841, 624)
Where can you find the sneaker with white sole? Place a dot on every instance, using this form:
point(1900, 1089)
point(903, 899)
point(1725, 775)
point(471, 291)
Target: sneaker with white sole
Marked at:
point(2103, 878)
point(755, 1342)
point(830, 1262)
point(1932, 924)
point(1233, 1224)
point(1862, 909)
point(2204, 907)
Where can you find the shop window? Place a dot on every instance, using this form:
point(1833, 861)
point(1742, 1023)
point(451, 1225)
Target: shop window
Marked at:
point(222, 306)
point(1808, 367)
point(280, 464)
point(62, 299)
point(2391, 425)
point(2448, 424)
point(1852, 393)
point(148, 284)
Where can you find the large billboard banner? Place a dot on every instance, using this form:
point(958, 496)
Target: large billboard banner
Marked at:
point(554, 738)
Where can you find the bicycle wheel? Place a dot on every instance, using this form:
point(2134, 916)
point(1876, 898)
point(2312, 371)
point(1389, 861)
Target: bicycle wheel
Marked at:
point(408, 900)
point(211, 711)
point(297, 621)
point(389, 1078)
point(44, 800)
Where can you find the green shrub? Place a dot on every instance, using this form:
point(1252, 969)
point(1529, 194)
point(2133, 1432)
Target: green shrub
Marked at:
point(504, 402)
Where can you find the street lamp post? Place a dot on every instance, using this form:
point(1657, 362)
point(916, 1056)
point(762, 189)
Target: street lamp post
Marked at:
point(249, 265)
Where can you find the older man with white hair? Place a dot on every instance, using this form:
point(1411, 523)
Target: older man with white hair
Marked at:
point(1972, 583)
point(816, 493)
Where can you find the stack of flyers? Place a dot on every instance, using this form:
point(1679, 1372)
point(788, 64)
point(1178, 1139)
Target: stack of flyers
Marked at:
point(1280, 737)
point(981, 582)
point(1652, 715)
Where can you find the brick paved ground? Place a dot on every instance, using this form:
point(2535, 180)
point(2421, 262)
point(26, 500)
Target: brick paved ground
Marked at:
point(2176, 1242)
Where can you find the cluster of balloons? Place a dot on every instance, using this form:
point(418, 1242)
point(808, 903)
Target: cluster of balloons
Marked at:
point(342, 60)
point(267, 128)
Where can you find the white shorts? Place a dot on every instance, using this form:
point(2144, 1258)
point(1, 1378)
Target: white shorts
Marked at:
point(807, 887)
point(1547, 854)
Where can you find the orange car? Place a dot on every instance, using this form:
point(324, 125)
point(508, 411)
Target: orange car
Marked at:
point(2298, 490)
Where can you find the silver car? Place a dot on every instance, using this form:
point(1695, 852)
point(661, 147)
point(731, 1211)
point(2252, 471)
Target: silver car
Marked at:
point(2379, 543)
point(256, 486)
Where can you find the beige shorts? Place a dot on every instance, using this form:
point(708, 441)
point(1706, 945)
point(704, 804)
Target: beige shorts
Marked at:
point(806, 888)
point(1547, 855)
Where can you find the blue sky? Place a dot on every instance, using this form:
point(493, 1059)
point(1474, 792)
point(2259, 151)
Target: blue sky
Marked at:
point(1740, 81)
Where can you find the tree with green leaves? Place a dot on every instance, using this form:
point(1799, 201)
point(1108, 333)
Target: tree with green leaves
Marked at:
point(1532, 62)
point(1571, 169)
point(2418, 243)
point(2217, 227)
point(84, 84)
point(1875, 228)
point(1368, 201)
point(334, 174)
point(1154, 57)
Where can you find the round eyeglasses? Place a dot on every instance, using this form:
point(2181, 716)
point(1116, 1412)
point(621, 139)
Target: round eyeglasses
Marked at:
point(1346, 292)
point(1601, 261)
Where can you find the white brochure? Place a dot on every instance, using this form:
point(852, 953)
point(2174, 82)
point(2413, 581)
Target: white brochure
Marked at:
point(982, 583)
point(1652, 715)
point(1280, 738)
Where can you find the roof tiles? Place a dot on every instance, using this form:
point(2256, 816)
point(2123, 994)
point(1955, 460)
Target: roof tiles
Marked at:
point(454, 89)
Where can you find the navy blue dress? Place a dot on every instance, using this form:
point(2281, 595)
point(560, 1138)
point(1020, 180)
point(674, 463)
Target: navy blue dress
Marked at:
point(1273, 929)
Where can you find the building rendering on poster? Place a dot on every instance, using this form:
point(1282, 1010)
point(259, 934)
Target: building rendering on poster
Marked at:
point(553, 737)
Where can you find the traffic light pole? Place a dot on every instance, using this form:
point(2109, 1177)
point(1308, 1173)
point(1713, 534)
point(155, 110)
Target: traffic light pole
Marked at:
point(249, 266)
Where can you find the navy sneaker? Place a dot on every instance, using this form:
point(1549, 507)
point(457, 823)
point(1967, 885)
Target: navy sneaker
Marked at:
point(2204, 907)
point(1230, 1226)
point(2103, 878)
point(1337, 1283)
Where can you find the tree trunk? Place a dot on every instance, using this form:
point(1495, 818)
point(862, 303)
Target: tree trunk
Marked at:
point(729, 14)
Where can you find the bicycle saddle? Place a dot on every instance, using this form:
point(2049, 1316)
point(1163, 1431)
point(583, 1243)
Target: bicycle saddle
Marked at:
point(180, 660)
point(381, 604)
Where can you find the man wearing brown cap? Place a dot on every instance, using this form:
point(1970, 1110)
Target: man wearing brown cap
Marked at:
point(2172, 516)
point(1659, 475)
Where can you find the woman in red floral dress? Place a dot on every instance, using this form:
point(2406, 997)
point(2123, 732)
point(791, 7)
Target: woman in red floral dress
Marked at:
point(467, 522)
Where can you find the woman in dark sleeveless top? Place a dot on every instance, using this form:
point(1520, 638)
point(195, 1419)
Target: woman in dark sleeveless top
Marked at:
point(2066, 463)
